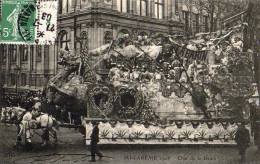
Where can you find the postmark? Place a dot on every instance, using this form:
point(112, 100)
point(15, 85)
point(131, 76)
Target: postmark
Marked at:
point(28, 22)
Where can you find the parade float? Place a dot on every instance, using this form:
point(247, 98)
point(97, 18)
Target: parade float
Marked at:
point(159, 90)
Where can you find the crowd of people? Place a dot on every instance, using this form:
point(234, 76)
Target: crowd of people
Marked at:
point(35, 102)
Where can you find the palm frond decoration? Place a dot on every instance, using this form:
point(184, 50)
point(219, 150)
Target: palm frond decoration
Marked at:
point(232, 134)
point(138, 134)
point(202, 134)
point(155, 134)
point(104, 133)
point(170, 134)
point(121, 133)
point(186, 134)
point(218, 134)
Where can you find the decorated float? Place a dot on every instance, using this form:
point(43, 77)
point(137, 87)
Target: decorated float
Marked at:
point(159, 90)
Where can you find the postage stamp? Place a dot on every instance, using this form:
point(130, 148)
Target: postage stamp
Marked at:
point(28, 21)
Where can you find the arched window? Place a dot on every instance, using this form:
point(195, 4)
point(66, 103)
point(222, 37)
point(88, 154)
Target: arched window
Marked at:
point(108, 37)
point(64, 40)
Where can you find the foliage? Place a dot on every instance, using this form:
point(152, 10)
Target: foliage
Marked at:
point(170, 134)
point(218, 134)
point(137, 134)
point(121, 133)
point(104, 133)
point(234, 80)
point(231, 134)
point(186, 134)
point(202, 134)
point(155, 134)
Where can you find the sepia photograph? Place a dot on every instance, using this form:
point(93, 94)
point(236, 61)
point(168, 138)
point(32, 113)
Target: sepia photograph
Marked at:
point(129, 81)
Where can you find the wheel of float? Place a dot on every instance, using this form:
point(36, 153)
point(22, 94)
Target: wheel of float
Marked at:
point(101, 99)
point(128, 103)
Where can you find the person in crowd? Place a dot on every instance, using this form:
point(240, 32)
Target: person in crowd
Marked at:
point(36, 109)
point(257, 135)
point(242, 138)
point(94, 142)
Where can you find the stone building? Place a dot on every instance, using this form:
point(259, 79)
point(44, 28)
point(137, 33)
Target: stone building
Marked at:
point(85, 24)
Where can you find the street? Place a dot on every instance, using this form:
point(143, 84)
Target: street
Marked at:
point(71, 149)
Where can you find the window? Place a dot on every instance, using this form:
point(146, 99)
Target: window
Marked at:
point(66, 6)
point(23, 79)
point(24, 52)
point(159, 9)
point(142, 7)
point(123, 5)
point(4, 50)
point(186, 20)
point(60, 6)
point(215, 24)
point(85, 3)
point(13, 52)
point(12, 79)
point(31, 56)
point(4, 53)
point(197, 23)
point(64, 40)
point(176, 7)
point(46, 50)
point(38, 53)
point(206, 23)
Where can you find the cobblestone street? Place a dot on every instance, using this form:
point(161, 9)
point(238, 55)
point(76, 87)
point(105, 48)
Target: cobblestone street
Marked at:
point(71, 149)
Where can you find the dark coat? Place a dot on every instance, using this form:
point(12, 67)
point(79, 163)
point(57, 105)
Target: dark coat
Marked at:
point(95, 135)
point(242, 138)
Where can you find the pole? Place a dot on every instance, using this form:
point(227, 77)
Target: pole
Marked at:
point(16, 91)
point(250, 37)
point(75, 27)
point(1, 73)
point(17, 70)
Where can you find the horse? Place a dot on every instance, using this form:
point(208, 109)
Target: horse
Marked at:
point(27, 126)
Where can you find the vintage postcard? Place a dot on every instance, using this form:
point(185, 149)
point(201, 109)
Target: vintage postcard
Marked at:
point(28, 21)
point(129, 81)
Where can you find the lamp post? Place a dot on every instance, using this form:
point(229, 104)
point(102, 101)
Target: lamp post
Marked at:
point(1, 74)
point(17, 70)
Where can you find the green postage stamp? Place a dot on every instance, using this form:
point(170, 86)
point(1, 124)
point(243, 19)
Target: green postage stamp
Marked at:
point(28, 21)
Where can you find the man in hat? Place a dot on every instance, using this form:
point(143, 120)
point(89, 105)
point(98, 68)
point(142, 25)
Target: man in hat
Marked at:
point(242, 138)
point(93, 143)
point(257, 135)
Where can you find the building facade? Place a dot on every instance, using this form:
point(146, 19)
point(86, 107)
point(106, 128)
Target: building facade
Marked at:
point(85, 24)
